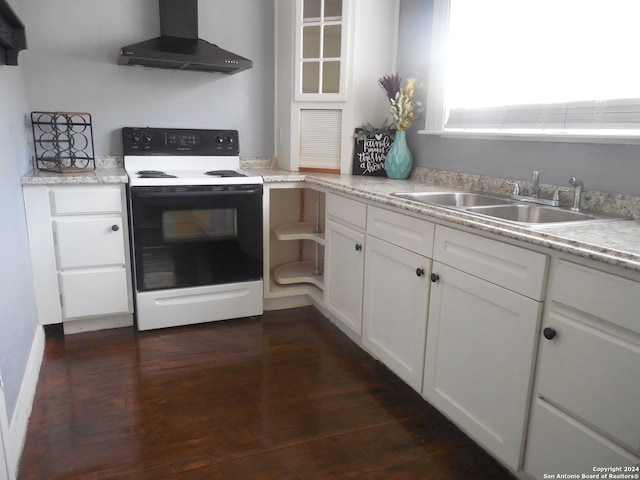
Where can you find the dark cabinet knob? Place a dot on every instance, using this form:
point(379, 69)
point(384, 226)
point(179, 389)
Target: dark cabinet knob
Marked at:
point(549, 333)
point(115, 228)
point(435, 277)
point(358, 247)
point(419, 272)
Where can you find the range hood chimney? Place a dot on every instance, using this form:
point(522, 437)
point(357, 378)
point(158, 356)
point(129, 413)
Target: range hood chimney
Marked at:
point(178, 46)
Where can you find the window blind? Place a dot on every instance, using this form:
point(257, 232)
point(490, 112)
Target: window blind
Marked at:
point(623, 114)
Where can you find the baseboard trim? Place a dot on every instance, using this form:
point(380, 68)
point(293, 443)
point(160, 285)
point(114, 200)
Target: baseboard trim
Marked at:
point(14, 441)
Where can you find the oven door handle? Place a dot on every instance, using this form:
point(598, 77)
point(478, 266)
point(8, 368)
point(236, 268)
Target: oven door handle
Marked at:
point(209, 193)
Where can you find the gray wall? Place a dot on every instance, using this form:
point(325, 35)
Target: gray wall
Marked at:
point(18, 317)
point(606, 168)
point(71, 66)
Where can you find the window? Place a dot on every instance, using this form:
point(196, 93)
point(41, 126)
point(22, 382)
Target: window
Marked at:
point(553, 67)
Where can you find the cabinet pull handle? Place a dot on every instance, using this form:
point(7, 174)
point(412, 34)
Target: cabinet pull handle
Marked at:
point(549, 333)
point(435, 277)
point(115, 228)
point(358, 247)
point(419, 271)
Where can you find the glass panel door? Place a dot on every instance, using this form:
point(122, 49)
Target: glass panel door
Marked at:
point(321, 61)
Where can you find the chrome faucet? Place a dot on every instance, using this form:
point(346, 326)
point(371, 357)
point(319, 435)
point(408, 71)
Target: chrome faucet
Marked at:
point(534, 194)
point(535, 184)
point(516, 187)
point(577, 193)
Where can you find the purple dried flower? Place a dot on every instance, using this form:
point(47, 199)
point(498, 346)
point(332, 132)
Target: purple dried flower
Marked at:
point(391, 85)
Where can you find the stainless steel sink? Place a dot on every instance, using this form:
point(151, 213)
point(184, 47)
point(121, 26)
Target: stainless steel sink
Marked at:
point(534, 214)
point(504, 208)
point(455, 199)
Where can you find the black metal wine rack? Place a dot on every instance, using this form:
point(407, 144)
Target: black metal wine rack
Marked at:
point(63, 141)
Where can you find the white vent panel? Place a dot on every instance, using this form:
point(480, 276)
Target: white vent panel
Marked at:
point(320, 139)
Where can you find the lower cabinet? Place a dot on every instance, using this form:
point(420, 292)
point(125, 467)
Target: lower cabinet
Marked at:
point(396, 291)
point(586, 407)
point(479, 359)
point(396, 297)
point(482, 337)
point(459, 318)
point(344, 261)
point(79, 247)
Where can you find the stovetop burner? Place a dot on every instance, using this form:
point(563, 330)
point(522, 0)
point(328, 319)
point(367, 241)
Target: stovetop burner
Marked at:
point(153, 174)
point(224, 173)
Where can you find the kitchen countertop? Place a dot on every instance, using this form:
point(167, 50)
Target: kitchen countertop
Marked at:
point(615, 243)
point(99, 175)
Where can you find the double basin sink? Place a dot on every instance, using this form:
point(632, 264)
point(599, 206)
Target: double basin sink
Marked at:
point(504, 208)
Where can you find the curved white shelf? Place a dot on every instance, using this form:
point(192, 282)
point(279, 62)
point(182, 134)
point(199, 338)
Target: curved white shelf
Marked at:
point(299, 231)
point(298, 272)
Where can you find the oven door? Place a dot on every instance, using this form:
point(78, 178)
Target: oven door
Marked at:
point(187, 236)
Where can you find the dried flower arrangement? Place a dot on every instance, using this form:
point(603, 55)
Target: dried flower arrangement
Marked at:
point(403, 109)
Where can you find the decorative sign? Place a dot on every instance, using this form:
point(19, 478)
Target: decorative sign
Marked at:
point(369, 154)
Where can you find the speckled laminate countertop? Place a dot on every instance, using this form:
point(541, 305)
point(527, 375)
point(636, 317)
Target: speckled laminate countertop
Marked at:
point(99, 175)
point(615, 243)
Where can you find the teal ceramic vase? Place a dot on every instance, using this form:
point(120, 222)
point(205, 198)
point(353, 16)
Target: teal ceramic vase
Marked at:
point(399, 160)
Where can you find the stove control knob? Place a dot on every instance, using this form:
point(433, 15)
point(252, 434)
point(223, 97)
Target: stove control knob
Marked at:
point(146, 139)
point(135, 138)
point(219, 139)
point(229, 140)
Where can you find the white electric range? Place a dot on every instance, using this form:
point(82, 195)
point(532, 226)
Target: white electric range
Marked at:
point(196, 227)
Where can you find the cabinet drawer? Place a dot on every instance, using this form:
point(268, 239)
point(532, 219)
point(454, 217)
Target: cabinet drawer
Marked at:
point(407, 232)
point(89, 241)
point(92, 292)
point(79, 200)
point(592, 374)
point(514, 268)
point(557, 443)
point(611, 298)
point(347, 211)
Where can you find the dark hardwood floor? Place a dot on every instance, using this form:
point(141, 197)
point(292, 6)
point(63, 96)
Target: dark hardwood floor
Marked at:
point(286, 396)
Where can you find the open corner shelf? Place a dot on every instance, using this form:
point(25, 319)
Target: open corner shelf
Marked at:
point(298, 272)
point(299, 231)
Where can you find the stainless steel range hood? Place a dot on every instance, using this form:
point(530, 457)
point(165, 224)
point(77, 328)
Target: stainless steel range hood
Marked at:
point(178, 46)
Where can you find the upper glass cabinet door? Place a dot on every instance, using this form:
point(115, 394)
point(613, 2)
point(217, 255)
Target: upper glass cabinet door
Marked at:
point(320, 65)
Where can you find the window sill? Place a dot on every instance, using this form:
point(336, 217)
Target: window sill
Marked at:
point(605, 138)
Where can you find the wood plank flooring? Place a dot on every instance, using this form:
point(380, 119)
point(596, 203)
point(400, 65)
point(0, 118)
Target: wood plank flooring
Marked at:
point(286, 396)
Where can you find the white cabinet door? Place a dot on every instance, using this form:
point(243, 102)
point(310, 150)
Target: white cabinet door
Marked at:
point(557, 443)
point(481, 340)
point(593, 375)
point(86, 241)
point(344, 274)
point(89, 292)
point(396, 295)
point(586, 411)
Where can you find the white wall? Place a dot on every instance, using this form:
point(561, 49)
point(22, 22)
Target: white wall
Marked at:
point(71, 66)
point(18, 316)
point(606, 168)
